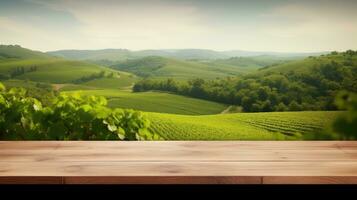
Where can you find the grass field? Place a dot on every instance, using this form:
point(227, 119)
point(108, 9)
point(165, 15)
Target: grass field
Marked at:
point(241, 126)
point(157, 102)
point(54, 70)
point(124, 81)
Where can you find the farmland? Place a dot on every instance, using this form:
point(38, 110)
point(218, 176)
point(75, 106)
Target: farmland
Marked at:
point(193, 104)
point(241, 126)
point(156, 102)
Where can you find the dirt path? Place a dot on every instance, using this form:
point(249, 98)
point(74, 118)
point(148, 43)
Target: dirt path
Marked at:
point(57, 87)
point(226, 110)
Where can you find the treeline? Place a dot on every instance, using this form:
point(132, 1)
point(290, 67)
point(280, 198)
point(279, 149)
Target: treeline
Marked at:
point(272, 91)
point(18, 71)
point(101, 74)
point(21, 70)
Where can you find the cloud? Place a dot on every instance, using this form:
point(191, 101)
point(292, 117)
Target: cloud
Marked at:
point(135, 25)
point(315, 25)
point(306, 19)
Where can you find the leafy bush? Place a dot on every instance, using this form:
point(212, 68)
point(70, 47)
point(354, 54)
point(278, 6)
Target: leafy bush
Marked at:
point(69, 117)
point(346, 125)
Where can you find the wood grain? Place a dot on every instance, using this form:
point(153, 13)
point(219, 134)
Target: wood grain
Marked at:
point(196, 162)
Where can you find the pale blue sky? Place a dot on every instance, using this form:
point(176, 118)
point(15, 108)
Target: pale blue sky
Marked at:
point(259, 25)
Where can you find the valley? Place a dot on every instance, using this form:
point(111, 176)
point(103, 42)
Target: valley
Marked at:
point(208, 111)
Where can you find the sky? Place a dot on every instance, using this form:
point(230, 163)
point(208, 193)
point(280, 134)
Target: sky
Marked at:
point(254, 25)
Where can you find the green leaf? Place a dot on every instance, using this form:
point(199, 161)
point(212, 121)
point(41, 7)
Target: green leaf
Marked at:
point(2, 87)
point(112, 127)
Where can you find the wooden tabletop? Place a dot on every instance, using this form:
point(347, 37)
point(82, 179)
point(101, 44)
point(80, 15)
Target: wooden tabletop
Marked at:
point(70, 162)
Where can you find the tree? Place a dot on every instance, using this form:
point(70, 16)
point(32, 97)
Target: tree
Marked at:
point(281, 107)
point(294, 106)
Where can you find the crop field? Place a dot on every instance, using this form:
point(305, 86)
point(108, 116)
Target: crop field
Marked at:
point(157, 102)
point(241, 126)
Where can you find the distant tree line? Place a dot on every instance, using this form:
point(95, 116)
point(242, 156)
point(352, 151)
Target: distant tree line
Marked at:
point(101, 74)
point(314, 89)
point(22, 70)
point(17, 71)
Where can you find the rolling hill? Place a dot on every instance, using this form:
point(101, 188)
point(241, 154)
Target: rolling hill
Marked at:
point(249, 64)
point(313, 62)
point(105, 54)
point(24, 64)
point(162, 67)
point(17, 52)
point(254, 61)
point(113, 55)
point(177, 117)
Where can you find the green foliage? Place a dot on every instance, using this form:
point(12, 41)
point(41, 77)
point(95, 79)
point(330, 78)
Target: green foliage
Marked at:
point(44, 92)
point(70, 117)
point(345, 126)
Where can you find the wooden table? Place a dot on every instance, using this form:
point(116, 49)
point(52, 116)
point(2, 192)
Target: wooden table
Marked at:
point(247, 162)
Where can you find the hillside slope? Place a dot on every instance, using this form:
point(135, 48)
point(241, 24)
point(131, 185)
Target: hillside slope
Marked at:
point(161, 67)
point(156, 102)
point(17, 52)
point(308, 84)
point(310, 64)
point(24, 64)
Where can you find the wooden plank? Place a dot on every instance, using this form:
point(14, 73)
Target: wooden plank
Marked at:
point(162, 180)
point(176, 151)
point(267, 162)
point(178, 169)
point(31, 180)
point(126, 155)
point(309, 180)
point(167, 145)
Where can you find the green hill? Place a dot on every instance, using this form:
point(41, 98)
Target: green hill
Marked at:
point(157, 102)
point(51, 70)
point(308, 84)
point(241, 126)
point(312, 63)
point(17, 52)
point(24, 64)
point(254, 62)
point(105, 54)
point(161, 67)
point(245, 65)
